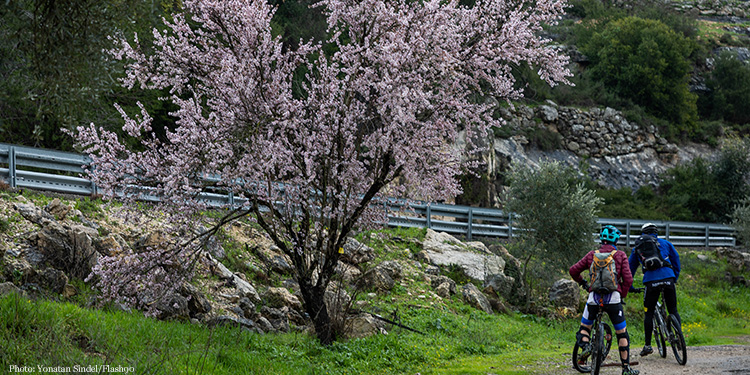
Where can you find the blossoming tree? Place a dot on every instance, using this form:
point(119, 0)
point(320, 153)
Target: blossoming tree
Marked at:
point(311, 156)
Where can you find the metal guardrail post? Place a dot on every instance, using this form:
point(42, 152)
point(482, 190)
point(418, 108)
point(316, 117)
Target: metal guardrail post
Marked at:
point(12, 166)
point(231, 199)
point(429, 216)
point(707, 236)
point(510, 225)
point(627, 235)
point(468, 230)
point(666, 232)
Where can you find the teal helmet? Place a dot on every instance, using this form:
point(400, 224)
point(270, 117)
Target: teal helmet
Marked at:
point(609, 233)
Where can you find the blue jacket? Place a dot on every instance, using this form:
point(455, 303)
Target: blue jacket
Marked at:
point(669, 253)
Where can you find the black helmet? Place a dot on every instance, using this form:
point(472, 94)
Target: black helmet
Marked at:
point(649, 228)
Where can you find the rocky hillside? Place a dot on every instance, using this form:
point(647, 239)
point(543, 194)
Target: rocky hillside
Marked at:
point(600, 143)
point(48, 246)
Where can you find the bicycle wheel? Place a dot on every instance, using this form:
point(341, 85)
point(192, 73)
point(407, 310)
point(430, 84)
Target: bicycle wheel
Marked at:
point(597, 351)
point(659, 337)
point(677, 340)
point(582, 363)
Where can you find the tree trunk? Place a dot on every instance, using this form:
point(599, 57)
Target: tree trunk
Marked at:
point(315, 306)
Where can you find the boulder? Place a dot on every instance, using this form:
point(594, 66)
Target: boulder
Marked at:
point(248, 308)
point(68, 248)
point(197, 303)
point(152, 240)
point(565, 293)
point(444, 290)
point(348, 272)
point(274, 259)
point(173, 307)
point(8, 288)
point(32, 213)
point(55, 280)
point(18, 267)
point(376, 279)
point(264, 325)
point(445, 250)
point(474, 297)
point(244, 288)
point(279, 318)
point(356, 252)
point(738, 260)
point(111, 245)
point(436, 281)
point(280, 297)
point(337, 299)
point(361, 326)
point(57, 209)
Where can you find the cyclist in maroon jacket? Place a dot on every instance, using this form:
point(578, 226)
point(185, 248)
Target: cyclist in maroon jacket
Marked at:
point(612, 301)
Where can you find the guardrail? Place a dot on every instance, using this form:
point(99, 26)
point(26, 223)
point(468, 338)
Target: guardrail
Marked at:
point(53, 171)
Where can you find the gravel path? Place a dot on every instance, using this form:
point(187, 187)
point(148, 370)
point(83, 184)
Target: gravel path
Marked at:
point(704, 360)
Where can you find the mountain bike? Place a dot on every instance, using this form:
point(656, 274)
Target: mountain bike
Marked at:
point(600, 340)
point(668, 330)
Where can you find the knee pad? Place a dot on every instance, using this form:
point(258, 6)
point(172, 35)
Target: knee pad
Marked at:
point(580, 335)
point(624, 335)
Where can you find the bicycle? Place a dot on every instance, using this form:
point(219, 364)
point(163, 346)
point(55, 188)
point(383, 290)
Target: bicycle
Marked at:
point(668, 329)
point(600, 341)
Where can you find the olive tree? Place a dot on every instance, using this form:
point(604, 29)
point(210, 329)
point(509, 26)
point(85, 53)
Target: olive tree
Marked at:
point(556, 214)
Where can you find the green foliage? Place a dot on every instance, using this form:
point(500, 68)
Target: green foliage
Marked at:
point(729, 85)
point(54, 72)
point(741, 220)
point(647, 62)
point(543, 138)
point(707, 191)
point(89, 207)
point(556, 212)
point(4, 225)
point(297, 20)
point(624, 203)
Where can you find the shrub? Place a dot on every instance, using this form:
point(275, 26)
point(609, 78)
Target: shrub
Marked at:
point(543, 138)
point(624, 203)
point(741, 220)
point(708, 191)
point(729, 97)
point(556, 213)
point(647, 62)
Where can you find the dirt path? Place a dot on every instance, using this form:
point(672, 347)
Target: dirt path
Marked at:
point(704, 360)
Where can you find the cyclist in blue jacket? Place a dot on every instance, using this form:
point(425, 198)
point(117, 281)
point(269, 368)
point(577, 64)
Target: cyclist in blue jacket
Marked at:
point(659, 280)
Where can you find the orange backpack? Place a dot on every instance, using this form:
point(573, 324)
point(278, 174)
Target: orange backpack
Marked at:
point(603, 273)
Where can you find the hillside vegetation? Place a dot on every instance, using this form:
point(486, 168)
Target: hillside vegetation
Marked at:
point(51, 329)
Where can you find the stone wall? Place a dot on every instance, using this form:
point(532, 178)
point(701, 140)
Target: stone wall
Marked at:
point(594, 133)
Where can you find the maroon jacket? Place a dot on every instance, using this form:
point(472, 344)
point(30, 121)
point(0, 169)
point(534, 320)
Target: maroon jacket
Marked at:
point(621, 264)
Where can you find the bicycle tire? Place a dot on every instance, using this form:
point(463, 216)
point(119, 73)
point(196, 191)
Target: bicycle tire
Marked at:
point(677, 340)
point(583, 366)
point(661, 343)
point(597, 351)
